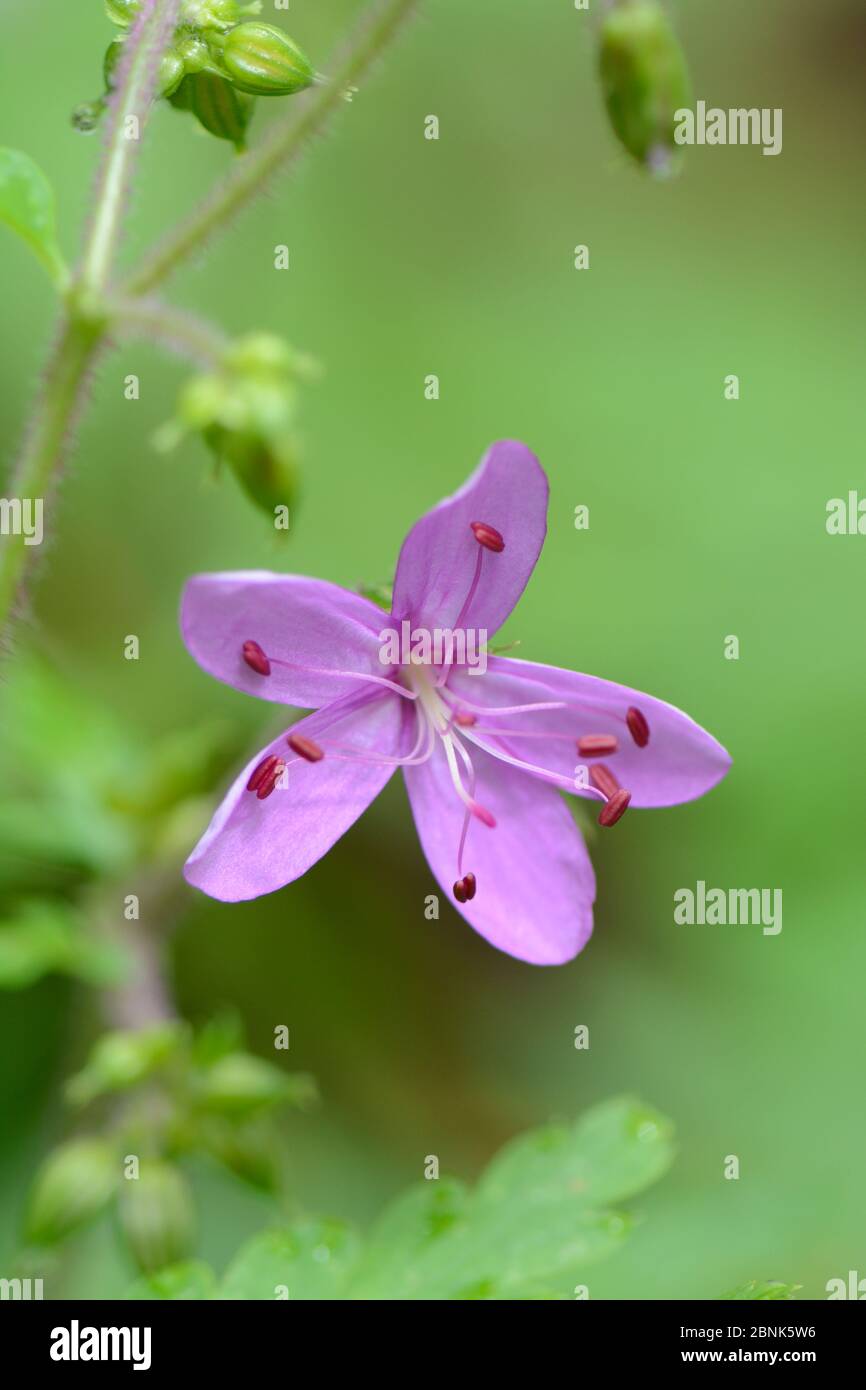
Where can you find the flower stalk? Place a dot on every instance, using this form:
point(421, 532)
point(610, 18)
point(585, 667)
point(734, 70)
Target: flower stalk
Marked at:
point(90, 316)
point(284, 143)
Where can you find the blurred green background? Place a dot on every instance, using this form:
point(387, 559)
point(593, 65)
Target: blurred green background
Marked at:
point(455, 257)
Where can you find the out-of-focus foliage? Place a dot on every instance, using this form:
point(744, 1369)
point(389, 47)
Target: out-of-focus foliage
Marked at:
point(183, 1094)
point(27, 207)
point(755, 1289)
point(539, 1215)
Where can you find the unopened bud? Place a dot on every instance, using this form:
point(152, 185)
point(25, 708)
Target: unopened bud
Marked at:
point(120, 1060)
point(645, 80)
point(262, 60)
point(266, 469)
point(122, 12)
point(157, 1215)
point(240, 1083)
point(223, 111)
point(73, 1185)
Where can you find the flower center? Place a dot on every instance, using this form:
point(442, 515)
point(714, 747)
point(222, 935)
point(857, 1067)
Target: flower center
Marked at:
point(442, 714)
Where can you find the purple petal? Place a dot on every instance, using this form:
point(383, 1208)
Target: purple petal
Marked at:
point(437, 563)
point(680, 762)
point(297, 622)
point(253, 847)
point(535, 881)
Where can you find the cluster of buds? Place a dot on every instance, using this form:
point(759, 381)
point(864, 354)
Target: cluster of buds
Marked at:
point(645, 81)
point(219, 61)
point(244, 410)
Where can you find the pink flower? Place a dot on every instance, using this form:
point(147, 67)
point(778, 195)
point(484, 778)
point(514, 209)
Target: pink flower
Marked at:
point(484, 755)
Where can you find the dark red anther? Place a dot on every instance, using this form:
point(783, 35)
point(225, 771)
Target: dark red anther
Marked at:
point(255, 658)
point(270, 779)
point(601, 777)
point(263, 770)
point(465, 720)
point(469, 886)
point(305, 748)
point(460, 890)
point(488, 536)
point(637, 726)
point(614, 809)
point(597, 745)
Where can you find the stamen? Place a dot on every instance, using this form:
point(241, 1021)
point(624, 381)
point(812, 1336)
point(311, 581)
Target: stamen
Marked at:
point(348, 675)
point(597, 745)
point(480, 812)
point(255, 658)
point(305, 748)
point(464, 888)
point(637, 726)
point(488, 536)
point(508, 709)
point(602, 777)
point(614, 809)
point(270, 779)
point(501, 752)
point(261, 772)
point(465, 720)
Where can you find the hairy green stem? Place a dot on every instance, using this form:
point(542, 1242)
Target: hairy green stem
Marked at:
point(284, 142)
point(83, 327)
point(89, 317)
point(184, 334)
point(129, 109)
point(55, 411)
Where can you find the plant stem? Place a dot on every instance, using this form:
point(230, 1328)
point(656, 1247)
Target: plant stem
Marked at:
point(84, 324)
point(129, 108)
point(184, 334)
point(283, 143)
point(54, 414)
point(88, 318)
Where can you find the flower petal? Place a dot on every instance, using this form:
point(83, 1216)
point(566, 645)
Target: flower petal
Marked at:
point(297, 622)
point(437, 563)
point(535, 883)
point(681, 761)
point(253, 847)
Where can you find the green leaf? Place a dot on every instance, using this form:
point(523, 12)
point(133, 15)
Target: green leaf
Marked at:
point(27, 206)
point(536, 1219)
point(186, 1282)
point(767, 1290)
point(43, 938)
point(310, 1261)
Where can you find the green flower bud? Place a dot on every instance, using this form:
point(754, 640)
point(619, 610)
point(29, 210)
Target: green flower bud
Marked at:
point(216, 105)
point(157, 1215)
point(250, 1150)
point(73, 1185)
point(217, 14)
point(122, 12)
point(263, 61)
point(645, 81)
point(120, 1060)
point(240, 1083)
point(267, 469)
point(245, 412)
point(172, 71)
point(112, 57)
